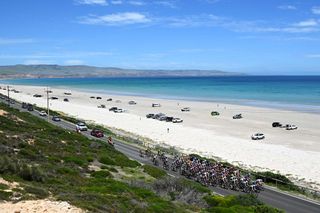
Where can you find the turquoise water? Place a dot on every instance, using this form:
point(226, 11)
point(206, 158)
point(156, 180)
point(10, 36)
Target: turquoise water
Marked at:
point(296, 92)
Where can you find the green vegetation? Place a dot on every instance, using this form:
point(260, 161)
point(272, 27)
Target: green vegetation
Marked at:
point(236, 204)
point(48, 161)
point(154, 171)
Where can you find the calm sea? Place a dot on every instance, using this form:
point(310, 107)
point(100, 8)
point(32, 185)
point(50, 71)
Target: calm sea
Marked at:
point(294, 92)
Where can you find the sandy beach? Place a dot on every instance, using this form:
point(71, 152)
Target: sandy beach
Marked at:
point(294, 153)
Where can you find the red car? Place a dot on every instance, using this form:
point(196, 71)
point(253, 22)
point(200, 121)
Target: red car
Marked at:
point(97, 133)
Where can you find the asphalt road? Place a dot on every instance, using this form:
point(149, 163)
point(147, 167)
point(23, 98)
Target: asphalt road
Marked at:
point(269, 196)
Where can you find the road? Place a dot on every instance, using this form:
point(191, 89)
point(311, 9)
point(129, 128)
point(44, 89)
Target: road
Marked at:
point(269, 196)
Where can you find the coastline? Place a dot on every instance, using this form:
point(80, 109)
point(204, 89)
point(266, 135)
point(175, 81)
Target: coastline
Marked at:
point(289, 152)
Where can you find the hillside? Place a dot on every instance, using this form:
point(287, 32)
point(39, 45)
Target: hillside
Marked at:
point(45, 163)
point(57, 71)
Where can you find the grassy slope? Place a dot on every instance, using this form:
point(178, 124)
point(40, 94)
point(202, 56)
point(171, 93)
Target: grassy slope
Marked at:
point(48, 161)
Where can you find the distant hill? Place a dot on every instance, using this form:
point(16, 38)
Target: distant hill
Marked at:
point(57, 71)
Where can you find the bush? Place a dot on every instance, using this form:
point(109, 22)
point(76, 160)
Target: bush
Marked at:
point(101, 174)
point(154, 171)
point(38, 192)
point(266, 209)
point(106, 160)
point(75, 159)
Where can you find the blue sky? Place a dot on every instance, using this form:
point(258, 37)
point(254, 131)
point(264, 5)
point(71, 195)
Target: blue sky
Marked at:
point(250, 36)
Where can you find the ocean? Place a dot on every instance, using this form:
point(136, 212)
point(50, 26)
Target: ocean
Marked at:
point(290, 92)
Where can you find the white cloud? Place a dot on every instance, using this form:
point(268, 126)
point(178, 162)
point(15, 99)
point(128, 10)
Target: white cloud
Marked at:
point(313, 56)
point(316, 10)
point(287, 7)
point(92, 2)
point(307, 23)
point(116, 19)
point(8, 41)
point(136, 3)
point(117, 2)
point(74, 62)
point(170, 4)
point(35, 62)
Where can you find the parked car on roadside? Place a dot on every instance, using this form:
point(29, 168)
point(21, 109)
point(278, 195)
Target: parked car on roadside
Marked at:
point(37, 96)
point(169, 119)
point(42, 113)
point(30, 107)
point(97, 133)
point(119, 110)
point(162, 118)
point(56, 118)
point(24, 105)
point(257, 136)
point(157, 116)
point(81, 126)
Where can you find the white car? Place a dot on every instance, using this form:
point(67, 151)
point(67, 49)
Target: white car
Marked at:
point(185, 109)
point(119, 111)
point(42, 113)
point(156, 105)
point(291, 127)
point(257, 136)
point(81, 126)
point(177, 120)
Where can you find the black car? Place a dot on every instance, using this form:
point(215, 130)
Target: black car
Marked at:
point(92, 97)
point(276, 124)
point(24, 105)
point(169, 119)
point(66, 100)
point(150, 115)
point(37, 96)
point(109, 99)
point(112, 109)
point(56, 118)
point(99, 98)
point(30, 107)
point(54, 98)
point(237, 116)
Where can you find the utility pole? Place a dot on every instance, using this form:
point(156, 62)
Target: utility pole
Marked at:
point(48, 105)
point(8, 89)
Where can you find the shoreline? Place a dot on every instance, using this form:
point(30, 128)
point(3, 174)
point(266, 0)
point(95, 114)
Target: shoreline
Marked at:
point(289, 152)
point(272, 105)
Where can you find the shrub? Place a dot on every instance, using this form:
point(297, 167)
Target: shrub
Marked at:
point(101, 174)
point(154, 171)
point(38, 192)
point(75, 159)
point(106, 160)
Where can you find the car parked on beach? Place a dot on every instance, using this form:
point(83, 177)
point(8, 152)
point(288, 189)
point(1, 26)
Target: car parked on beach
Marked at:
point(92, 97)
point(162, 118)
point(257, 136)
point(132, 103)
point(157, 116)
point(99, 98)
point(37, 96)
point(215, 113)
point(291, 127)
point(177, 120)
point(54, 98)
point(56, 118)
point(112, 109)
point(119, 110)
point(276, 124)
point(81, 126)
point(150, 115)
point(156, 105)
point(42, 113)
point(169, 119)
point(67, 93)
point(97, 133)
point(185, 109)
point(109, 99)
point(66, 100)
point(237, 116)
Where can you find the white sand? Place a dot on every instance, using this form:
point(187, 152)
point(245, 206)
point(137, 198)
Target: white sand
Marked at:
point(295, 153)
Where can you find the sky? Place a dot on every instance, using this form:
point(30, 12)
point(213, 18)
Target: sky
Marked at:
point(274, 37)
